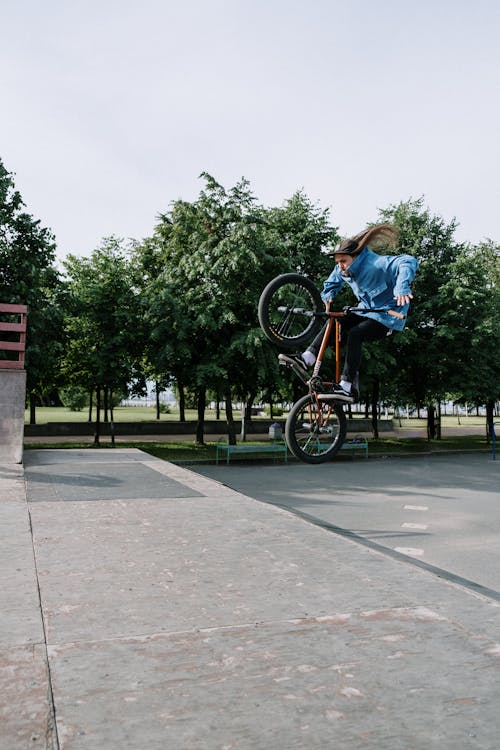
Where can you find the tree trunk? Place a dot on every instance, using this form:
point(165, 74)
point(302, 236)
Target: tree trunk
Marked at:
point(248, 406)
point(91, 399)
point(375, 399)
point(201, 416)
point(270, 402)
point(157, 391)
point(182, 402)
point(246, 415)
point(217, 404)
point(438, 421)
point(111, 419)
point(32, 400)
point(231, 432)
point(97, 430)
point(490, 417)
point(106, 404)
point(431, 422)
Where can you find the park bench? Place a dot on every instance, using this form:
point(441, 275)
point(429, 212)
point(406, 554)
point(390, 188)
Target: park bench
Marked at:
point(276, 447)
point(357, 443)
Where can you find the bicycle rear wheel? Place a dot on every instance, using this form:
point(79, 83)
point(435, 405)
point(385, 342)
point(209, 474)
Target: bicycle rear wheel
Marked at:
point(315, 431)
point(286, 310)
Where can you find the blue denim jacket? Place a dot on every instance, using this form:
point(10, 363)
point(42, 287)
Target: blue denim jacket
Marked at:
point(376, 280)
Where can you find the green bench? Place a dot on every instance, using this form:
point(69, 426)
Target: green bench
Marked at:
point(356, 444)
point(222, 448)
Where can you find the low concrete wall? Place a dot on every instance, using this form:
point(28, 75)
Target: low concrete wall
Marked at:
point(212, 427)
point(12, 404)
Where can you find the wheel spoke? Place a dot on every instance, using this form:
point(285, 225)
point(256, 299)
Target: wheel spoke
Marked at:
point(315, 431)
point(287, 308)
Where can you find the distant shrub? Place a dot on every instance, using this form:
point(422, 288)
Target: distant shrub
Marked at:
point(277, 411)
point(74, 397)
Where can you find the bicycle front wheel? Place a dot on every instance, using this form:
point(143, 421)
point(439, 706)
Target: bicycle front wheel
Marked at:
point(315, 431)
point(287, 308)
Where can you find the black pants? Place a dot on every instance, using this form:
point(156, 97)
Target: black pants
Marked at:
point(355, 330)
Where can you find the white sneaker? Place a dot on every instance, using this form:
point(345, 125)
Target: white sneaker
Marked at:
point(337, 393)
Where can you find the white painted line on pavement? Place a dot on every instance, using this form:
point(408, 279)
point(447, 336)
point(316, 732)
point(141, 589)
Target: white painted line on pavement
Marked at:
point(421, 526)
point(416, 507)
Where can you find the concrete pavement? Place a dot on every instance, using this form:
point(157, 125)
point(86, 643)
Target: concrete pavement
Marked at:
point(147, 606)
point(440, 509)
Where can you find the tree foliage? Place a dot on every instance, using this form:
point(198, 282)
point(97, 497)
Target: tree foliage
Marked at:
point(28, 276)
point(180, 306)
point(419, 374)
point(217, 255)
point(469, 333)
point(102, 320)
point(449, 348)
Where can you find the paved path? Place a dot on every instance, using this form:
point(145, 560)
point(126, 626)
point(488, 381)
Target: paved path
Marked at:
point(147, 606)
point(442, 510)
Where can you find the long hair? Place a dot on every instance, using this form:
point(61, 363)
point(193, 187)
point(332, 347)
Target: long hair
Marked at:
point(379, 235)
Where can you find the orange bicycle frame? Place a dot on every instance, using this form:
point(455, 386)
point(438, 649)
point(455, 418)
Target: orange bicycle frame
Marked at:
point(334, 318)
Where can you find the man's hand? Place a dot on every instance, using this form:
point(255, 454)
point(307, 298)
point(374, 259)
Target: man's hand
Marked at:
point(404, 299)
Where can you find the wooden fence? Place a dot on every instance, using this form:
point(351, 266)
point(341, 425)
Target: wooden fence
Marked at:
point(17, 312)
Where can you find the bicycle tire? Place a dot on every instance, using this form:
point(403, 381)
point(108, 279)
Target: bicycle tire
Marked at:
point(312, 436)
point(284, 294)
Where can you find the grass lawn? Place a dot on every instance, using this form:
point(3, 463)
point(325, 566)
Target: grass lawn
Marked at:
point(394, 445)
point(46, 414)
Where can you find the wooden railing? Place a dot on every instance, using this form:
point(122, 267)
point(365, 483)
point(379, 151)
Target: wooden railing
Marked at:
point(19, 327)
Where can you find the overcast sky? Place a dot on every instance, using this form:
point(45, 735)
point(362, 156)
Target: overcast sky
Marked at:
point(111, 109)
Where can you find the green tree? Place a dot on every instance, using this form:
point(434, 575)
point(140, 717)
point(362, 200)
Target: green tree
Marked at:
point(103, 326)
point(28, 276)
point(298, 236)
point(422, 372)
point(450, 345)
point(199, 304)
point(218, 253)
point(469, 331)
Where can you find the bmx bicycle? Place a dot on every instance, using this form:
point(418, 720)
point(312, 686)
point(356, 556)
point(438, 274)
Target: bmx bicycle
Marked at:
point(291, 312)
